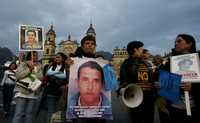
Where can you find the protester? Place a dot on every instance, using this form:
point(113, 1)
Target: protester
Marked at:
point(88, 50)
point(160, 103)
point(24, 97)
point(57, 77)
point(136, 70)
point(184, 44)
point(146, 55)
point(147, 58)
point(43, 96)
point(8, 85)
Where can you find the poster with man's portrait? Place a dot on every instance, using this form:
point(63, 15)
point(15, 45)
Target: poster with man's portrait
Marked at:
point(87, 96)
point(30, 38)
point(187, 66)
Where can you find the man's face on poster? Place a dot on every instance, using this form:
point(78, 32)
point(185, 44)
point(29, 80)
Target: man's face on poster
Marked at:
point(90, 85)
point(31, 36)
point(185, 64)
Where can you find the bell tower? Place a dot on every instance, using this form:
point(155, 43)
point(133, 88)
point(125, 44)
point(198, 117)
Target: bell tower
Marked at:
point(91, 31)
point(49, 45)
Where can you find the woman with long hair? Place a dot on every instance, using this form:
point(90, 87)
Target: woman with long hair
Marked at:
point(57, 77)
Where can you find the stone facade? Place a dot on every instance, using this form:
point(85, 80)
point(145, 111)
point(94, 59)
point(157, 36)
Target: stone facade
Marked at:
point(119, 55)
point(67, 47)
point(49, 46)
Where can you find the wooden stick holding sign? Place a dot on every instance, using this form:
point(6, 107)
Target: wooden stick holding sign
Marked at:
point(187, 103)
point(188, 66)
point(21, 57)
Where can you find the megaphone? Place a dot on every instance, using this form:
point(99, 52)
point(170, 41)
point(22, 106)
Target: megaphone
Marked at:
point(132, 95)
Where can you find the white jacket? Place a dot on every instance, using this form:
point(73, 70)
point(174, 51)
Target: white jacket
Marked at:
point(6, 79)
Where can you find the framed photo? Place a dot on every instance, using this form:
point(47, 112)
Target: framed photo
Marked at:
point(87, 97)
point(31, 38)
point(187, 66)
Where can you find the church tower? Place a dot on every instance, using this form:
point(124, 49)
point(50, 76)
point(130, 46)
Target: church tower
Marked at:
point(49, 45)
point(91, 31)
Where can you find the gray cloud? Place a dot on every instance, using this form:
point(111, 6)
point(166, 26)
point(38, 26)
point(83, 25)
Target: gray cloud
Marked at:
point(156, 23)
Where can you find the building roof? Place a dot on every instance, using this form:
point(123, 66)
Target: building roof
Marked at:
point(68, 41)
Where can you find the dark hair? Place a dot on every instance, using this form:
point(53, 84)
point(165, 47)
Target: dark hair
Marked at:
point(88, 37)
point(51, 60)
point(189, 39)
point(28, 57)
point(64, 57)
point(31, 30)
point(132, 45)
point(93, 65)
point(12, 64)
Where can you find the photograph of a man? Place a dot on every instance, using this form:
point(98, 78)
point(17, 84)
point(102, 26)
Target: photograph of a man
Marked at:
point(90, 98)
point(185, 65)
point(31, 38)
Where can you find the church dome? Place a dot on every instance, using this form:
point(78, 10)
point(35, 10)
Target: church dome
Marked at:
point(91, 31)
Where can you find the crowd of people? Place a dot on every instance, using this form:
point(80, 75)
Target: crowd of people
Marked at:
point(139, 68)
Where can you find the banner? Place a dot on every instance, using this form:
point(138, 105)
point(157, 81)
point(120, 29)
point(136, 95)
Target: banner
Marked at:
point(30, 38)
point(169, 85)
point(87, 96)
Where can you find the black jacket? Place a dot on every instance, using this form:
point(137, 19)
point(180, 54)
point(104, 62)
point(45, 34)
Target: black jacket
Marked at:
point(135, 71)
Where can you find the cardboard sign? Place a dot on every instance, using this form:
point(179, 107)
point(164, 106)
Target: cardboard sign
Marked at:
point(31, 38)
point(87, 97)
point(186, 65)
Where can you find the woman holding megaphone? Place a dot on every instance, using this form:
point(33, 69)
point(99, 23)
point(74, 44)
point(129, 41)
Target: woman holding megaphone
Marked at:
point(135, 70)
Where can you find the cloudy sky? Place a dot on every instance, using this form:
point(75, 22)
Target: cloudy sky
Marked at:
point(155, 22)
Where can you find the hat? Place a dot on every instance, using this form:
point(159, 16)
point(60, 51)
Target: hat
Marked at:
point(88, 37)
